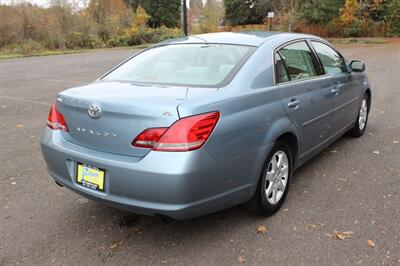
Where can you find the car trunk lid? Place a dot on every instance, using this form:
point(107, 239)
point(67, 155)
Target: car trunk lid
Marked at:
point(120, 112)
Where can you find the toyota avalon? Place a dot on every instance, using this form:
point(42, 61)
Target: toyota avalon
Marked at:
point(198, 124)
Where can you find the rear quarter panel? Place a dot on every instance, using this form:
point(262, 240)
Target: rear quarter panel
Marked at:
point(252, 118)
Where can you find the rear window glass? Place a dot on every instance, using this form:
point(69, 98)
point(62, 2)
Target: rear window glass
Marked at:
point(183, 64)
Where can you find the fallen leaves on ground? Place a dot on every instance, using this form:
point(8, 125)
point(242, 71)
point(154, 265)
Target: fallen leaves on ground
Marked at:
point(313, 226)
point(241, 259)
point(310, 226)
point(137, 231)
point(395, 141)
point(376, 152)
point(339, 235)
point(262, 229)
point(20, 126)
point(371, 243)
point(117, 246)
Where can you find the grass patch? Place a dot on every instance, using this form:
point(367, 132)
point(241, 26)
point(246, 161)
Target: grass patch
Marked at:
point(12, 55)
point(359, 40)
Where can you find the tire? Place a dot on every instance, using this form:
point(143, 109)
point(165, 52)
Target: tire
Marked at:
point(362, 119)
point(263, 202)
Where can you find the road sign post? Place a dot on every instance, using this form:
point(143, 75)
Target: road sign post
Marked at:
point(185, 24)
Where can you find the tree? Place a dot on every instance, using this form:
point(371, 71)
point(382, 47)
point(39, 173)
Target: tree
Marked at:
point(62, 19)
point(350, 11)
point(196, 4)
point(108, 15)
point(394, 17)
point(319, 11)
point(349, 19)
point(166, 12)
point(213, 15)
point(242, 12)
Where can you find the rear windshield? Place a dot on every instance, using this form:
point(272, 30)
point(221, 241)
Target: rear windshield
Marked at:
point(202, 65)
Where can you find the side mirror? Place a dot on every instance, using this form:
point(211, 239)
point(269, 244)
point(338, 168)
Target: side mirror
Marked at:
point(357, 66)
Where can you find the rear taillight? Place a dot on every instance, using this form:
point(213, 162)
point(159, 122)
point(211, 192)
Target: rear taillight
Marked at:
point(186, 134)
point(56, 120)
point(149, 137)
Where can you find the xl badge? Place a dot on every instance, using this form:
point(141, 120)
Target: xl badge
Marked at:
point(94, 111)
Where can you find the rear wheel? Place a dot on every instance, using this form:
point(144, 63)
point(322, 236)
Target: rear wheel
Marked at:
point(274, 181)
point(362, 119)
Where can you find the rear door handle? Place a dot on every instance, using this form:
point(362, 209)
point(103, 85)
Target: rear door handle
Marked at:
point(335, 91)
point(293, 103)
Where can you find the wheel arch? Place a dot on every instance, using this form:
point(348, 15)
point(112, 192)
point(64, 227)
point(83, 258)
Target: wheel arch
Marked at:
point(368, 92)
point(291, 140)
point(284, 130)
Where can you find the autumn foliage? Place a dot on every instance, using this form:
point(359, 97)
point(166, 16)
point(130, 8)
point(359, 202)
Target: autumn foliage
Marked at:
point(102, 23)
point(71, 24)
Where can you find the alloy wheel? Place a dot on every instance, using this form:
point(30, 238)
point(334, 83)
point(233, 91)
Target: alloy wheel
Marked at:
point(276, 177)
point(362, 119)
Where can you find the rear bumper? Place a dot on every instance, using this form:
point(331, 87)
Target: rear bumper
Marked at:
point(180, 185)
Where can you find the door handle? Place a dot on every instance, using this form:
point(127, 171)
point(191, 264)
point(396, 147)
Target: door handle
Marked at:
point(335, 91)
point(293, 103)
point(340, 85)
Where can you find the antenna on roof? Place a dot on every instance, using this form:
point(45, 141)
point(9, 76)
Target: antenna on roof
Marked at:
point(197, 37)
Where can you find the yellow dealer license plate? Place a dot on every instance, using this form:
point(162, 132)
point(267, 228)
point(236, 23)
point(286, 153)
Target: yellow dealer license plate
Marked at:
point(90, 177)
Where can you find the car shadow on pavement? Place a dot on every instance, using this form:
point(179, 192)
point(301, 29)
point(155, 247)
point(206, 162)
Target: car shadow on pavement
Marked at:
point(120, 230)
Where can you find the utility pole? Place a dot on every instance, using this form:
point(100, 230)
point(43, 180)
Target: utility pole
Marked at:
point(270, 17)
point(185, 25)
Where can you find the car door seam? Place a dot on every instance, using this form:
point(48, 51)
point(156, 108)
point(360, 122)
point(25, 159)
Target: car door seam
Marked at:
point(346, 103)
point(317, 118)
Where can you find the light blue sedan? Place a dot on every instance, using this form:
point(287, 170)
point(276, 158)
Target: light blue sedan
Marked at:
point(199, 124)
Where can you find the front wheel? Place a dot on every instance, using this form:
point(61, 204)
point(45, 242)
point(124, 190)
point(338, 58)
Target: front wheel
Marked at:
point(362, 119)
point(274, 181)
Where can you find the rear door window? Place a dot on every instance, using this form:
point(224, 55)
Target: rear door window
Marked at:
point(281, 72)
point(299, 61)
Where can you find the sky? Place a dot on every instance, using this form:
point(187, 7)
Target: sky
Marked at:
point(46, 3)
point(38, 2)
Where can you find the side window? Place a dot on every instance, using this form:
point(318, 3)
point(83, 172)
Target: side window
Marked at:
point(330, 59)
point(299, 61)
point(281, 73)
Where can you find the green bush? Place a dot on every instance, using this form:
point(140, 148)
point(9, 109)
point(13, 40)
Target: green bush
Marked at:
point(80, 40)
point(27, 47)
point(353, 30)
point(117, 40)
point(149, 35)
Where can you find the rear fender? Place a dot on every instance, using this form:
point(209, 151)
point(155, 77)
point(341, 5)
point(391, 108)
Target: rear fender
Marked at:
point(277, 129)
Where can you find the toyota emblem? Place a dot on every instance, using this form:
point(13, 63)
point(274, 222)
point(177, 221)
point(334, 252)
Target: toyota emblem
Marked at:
point(94, 111)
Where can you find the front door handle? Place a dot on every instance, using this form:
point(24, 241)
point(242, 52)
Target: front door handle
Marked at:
point(293, 103)
point(340, 85)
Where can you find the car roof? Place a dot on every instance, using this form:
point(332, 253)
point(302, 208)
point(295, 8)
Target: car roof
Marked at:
point(251, 38)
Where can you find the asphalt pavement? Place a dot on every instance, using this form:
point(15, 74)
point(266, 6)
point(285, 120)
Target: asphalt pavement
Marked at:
point(343, 207)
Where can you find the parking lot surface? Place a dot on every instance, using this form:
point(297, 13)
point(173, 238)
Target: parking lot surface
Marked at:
point(343, 207)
